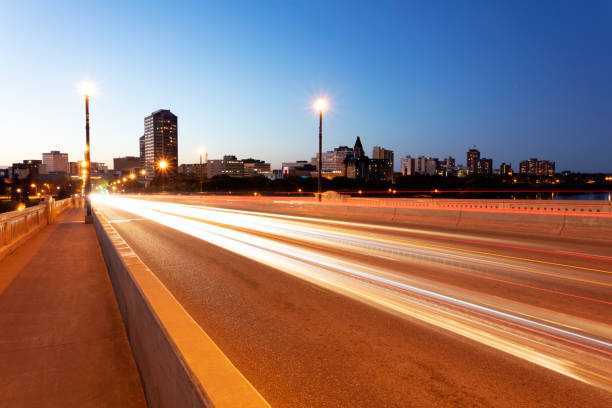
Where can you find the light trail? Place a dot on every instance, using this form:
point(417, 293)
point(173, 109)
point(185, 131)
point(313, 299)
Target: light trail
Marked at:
point(570, 345)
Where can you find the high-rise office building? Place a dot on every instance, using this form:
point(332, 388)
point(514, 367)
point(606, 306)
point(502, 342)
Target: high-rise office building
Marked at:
point(473, 157)
point(160, 142)
point(56, 162)
point(141, 142)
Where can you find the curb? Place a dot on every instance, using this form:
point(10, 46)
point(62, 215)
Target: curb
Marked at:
point(179, 364)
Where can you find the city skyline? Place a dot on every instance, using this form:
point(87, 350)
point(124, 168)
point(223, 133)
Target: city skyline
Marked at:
point(534, 86)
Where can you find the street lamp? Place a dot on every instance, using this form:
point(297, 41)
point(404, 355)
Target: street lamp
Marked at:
point(163, 165)
point(87, 89)
point(320, 106)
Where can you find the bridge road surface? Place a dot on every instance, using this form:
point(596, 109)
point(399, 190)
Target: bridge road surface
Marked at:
point(339, 314)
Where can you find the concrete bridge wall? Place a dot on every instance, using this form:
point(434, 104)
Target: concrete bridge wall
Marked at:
point(581, 219)
point(17, 226)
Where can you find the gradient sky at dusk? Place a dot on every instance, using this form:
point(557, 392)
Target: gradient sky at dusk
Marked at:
point(516, 79)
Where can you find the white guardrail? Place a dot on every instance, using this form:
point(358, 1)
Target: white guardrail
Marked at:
point(18, 226)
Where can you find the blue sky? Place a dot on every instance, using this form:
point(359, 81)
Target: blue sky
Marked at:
point(516, 79)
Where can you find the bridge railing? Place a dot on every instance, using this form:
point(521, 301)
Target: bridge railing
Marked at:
point(18, 226)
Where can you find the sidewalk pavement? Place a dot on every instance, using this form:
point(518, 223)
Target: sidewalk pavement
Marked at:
point(62, 340)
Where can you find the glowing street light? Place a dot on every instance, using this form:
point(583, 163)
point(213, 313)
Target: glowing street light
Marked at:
point(163, 165)
point(320, 106)
point(132, 176)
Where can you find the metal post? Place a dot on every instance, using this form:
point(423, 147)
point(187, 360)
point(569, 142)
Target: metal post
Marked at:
point(88, 217)
point(320, 153)
point(200, 173)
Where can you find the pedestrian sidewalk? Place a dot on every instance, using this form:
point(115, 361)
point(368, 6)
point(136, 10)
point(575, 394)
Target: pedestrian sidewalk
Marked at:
point(62, 340)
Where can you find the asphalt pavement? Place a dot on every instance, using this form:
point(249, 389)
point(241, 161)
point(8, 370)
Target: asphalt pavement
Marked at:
point(332, 313)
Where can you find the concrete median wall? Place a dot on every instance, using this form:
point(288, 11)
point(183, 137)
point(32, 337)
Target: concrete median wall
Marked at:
point(180, 366)
point(578, 219)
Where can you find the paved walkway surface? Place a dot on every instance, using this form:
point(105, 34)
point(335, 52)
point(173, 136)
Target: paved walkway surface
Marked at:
point(62, 341)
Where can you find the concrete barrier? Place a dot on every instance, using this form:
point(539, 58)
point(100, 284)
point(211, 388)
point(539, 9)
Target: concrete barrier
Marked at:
point(16, 227)
point(180, 366)
point(579, 219)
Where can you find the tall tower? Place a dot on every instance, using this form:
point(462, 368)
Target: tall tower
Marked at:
point(473, 157)
point(358, 149)
point(160, 142)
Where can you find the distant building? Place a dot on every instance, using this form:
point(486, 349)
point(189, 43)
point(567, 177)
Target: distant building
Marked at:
point(333, 162)
point(431, 166)
point(473, 156)
point(56, 162)
point(254, 167)
point(411, 166)
point(75, 168)
point(141, 143)
point(505, 169)
point(407, 166)
point(127, 163)
point(193, 169)
point(485, 167)
point(214, 168)
point(382, 153)
point(357, 164)
point(98, 168)
point(535, 167)
point(28, 168)
point(447, 167)
point(232, 166)
point(300, 168)
point(160, 142)
point(380, 170)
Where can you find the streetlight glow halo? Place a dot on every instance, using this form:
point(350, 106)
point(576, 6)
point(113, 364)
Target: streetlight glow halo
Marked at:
point(87, 88)
point(320, 104)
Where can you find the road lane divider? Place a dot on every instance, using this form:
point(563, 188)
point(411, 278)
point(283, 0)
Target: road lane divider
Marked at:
point(179, 364)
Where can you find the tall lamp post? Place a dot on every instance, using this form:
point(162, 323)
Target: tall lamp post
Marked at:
point(201, 171)
point(87, 89)
point(320, 106)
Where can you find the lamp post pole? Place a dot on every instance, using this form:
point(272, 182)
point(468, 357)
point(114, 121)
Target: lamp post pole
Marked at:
point(200, 172)
point(88, 217)
point(320, 153)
